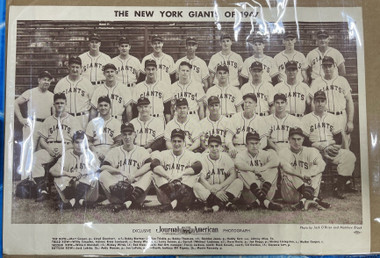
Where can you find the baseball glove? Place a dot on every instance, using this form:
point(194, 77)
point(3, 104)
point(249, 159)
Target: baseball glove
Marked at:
point(121, 190)
point(331, 152)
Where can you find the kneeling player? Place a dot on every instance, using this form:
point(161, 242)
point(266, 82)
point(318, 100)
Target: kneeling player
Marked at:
point(218, 184)
point(75, 175)
point(175, 173)
point(258, 171)
point(302, 169)
point(126, 175)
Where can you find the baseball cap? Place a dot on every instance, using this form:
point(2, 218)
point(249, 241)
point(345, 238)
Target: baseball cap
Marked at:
point(127, 127)
point(328, 60)
point(291, 65)
point(257, 38)
point(289, 34)
point(94, 36)
point(256, 66)
point(45, 74)
point(222, 68)
point(104, 99)
point(78, 135)
point(225, 36)
point(295, 130)
point(251, 96)
point(191, 40)
point(177, 133)
point(59, 96)
point(319, 95)
point(181, 102)
point(143, 101)
point(186, 63)
point(252, 136)
point(109, 66)
point(75, 60)
point(123, 40)
point(156, 38)
point(213, 100)
point(214, 138)
point(322, 34)
point(150, 62)
point(279, 96)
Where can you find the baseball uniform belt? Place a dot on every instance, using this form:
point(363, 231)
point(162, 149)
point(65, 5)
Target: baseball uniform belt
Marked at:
point(98, 82)
point(336, 113)
point(283, 142)
point(40, 119)
point(239, 144)
point(58, 142)
point(79, 114)
point(297, 115)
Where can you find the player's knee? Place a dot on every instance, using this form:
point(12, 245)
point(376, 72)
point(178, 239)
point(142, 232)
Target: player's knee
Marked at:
point(237, 183)
point(104, 175)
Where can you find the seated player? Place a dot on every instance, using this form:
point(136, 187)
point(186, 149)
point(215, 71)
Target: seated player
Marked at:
point(258, 171)
point(126, 174)
point(301, 169)
point(75, 175)
point(149, 129)
point(175, 173)
point(218, 184)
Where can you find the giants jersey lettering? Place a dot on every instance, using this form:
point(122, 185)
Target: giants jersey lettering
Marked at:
point(192, 92)
point(314, 60)
point(120, 97)
point(128, 162)
point(199, 71)
point(174, 164)
point(149, 131)
point(233, 61)
point(336, 91)
point(165, 67)
point(103, 131)
point(269, 67)
point(190, 127)
point(264, 93)
point(59, 128)
point(320, 129)
point(216, 171)
point(219, 127)
point(230, 98)
point(85, 163)
point(279, 127)
point(297, 96)
point(259, 160)
point(92, 66)
point(78, 93)
point(127, 70)
point(39, 103)
point(282, 58)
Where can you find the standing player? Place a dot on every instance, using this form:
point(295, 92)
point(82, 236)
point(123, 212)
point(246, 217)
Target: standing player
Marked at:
point(290, 54)
point(218, 184)
point(78, 91)
point(301, 169)
point(127, 66)
point(199, 71)
point(56, 138)
point(190, 90)
point(40, 103)
point(229, 96)
point(187, 124)
point(315, 56)
point(75, 175)
point(298, 93)
point(269, 65)
point(126, 174)
point(339, 99)
point(149, 130)
point(158, 92)
point(120, 96)
point(263, 90)
point(175, 173)
point(93, 61)
point(103, 131)
point(165, 63)
point(226, 57)
point(258, 171)
point(325, 134)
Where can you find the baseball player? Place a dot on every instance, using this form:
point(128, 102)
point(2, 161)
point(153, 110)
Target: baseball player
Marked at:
point(315, 56)
point(339, 98)
point(279, 124)
point(126, 174)
point(290, 54)
point(128, 67)
point(165, 63)
point(258, 171)
point(199, 70)
point(75, 175)
point(226, 57)
point(325, 134)
point(298, 93)
point(149, 130)
point(56, 138)
point(243, 123)
point(158, 92)
point(103, 131)
point(39, 103)
point(121, 97)
point(218, 184)
point(187, 124)
point(214, 124)
point(78, 91)
point(301, 169)
point(269, 65)
point(175, 173)
point(230, 97)
point(93, 61)
point(263, 89)
point(190, 90)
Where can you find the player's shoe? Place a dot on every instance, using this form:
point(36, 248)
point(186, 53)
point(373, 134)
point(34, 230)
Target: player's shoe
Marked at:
point(64, 206)
point(297, 206)
point(118, 207)
point(324, 205)
point(348, 188)
point(231, 207)
point(309, 204)
point(208, 209)
point(42, 196)
point(165, 208)
point(274, 206)
point(252, 206)
point(337, 193)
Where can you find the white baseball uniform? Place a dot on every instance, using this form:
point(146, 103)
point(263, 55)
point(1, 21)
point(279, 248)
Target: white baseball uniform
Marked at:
point(269, 67)
point(219, 127)
point(199, 70)
point(148, 131)
point(92, 66)
point(230, 98)
point(264, 93)
point(233, 61)
point(282, 58)
point(165, 67)
point(127, 70)
point(314, 60)
point(190, 127)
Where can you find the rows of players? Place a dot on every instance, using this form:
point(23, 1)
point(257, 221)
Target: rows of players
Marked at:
point(158, 102)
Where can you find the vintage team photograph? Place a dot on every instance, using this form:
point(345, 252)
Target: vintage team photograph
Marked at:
point(186, 122)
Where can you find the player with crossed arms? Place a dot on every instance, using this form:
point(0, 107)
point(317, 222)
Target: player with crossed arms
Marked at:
point(218, 184)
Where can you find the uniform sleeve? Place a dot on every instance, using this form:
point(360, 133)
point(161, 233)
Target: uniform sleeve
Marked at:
point(89, 87)
point(336, 128)
point(314, 86)
point(144, 155)
point(110, 157)
point(168, 131)
point(228, 162)
point(201, 93)
point(238, 97)
point(94, 98)
point(245, 68)
point(273, 68)
point(309, 58)
point(127, 96)
point(318, 164)
point(196, 131)
point(143, 64)
point(58, 86)
point(204, 70)
point(308, 90)
point(305, 126)
point(167, 92)
point(26, 95)
point(44, 130)
point(285, 156)
point(75, 126)
point(239, 62)
point(264, 128)
point(212, 64)
point(303, 61)
point(346, 86)
point(160, 128)
point(339, 59)
point(90, 129)
point(176, 65)
point(171, 65)
point(271, 93)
